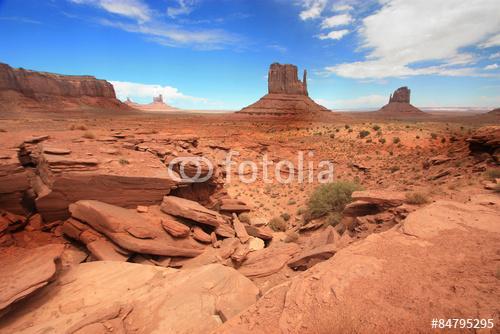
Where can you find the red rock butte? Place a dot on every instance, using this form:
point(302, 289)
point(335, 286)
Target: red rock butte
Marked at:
point(22, 89)
point(156, 106)
point(399, 104)
point(287, 95)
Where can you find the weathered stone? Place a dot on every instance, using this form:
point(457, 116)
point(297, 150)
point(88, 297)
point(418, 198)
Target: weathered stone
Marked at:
point(240, 230)
point(200, 235)
point(401, 95)
point(133, 231)
point(175, 228)
point(307, 259)
point(143, 298)
point(184, 208)
point(25, 271)
point(269, 260)
point(263, 232)
point(283, 79)
point(399, 104)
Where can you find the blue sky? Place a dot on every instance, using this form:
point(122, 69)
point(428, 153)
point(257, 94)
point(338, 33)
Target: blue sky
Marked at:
point(214, 54)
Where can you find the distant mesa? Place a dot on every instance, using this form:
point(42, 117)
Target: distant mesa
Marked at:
point(287, 95)
point(22, 89)
point(399, 104)
point(495, 112)
point(156, 106)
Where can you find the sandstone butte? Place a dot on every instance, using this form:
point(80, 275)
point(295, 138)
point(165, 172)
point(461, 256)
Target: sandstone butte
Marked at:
point(287, 95)
point(158, 105)
point(22, 89)
point(399, 104)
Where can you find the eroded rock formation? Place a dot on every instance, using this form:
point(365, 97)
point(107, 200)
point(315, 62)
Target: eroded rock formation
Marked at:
point(287, 95)
point(30, 89)
point(399, 104)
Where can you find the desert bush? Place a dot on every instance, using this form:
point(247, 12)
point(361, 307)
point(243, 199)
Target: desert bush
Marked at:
point(291, 202)
point(443, 140)
point(492, 174)
point(364, 133)
point(291, 236)
point(285, 216)
point(333, 218)
point(277, 224)
point(396, 140)
point(89, 135)
point(434, 136)
point(382, 140)
point(350, 130)
point(78, 127)
point(417, 198)
point(376, 127)
point(301, 210)
point(347, 126)
point(244, 217)
point(123, 162)
point(331, 197)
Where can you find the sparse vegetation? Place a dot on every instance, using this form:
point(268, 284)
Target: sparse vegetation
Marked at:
point(3, 130)
point(277, 224)
point(492, 174)
point(382, 140)
point(364, 133)
point(123, 162)
point(417, 198)
point(78, 127)
point(244, 217)
point(285, 216)
point(333, 218)
point(376, 127)
point(291, 236)
point(331, 197)
point(434, 135)
point(396, 140)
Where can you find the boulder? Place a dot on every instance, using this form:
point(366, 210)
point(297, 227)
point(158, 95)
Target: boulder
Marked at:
point(308, 258)
point(175, 228)
point(133, 231)
point(381, 198)
point(143, 298)
point(185, 208)
point(240, 229)
point(25, 271)
point(268, 260)
point(263, 232)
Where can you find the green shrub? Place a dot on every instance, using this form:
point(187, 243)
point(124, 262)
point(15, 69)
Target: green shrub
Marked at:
point(333, 218)
point(382, 140)
point(277, 224)
point(123, 162)
point(301, 210)
point(376, 127)
point(416, 198)
point(396, 140)
point(364, 133)
point(331, 197)
point(285, 216)
point(291, 236)
point(244, 217)
point(492, 174)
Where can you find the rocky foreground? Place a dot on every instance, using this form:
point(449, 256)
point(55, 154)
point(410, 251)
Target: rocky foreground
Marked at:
point(96, 237)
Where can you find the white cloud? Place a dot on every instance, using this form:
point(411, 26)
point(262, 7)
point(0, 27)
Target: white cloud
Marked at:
point(494, 56)
point(491, 67)
point(313, 9)
point(183, 7)
point(404, 34)
point(134, 9)
point(491, 42)
point(174, 36)
point(369, 101)
point(139, 91)
point(335, 35)
point(342, 8)
point(337, 20)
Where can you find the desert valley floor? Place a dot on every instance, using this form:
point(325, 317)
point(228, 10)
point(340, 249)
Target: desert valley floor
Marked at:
point(418, 241)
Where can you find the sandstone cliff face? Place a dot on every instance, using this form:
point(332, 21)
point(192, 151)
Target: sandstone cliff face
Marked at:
point(399, 104)
point(401, 94)
point(288, 96)
point(283, 79)
point(36, 84)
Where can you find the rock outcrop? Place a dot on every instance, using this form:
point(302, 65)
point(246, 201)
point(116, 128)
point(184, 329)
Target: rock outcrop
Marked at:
point(494, 112)
point(432, 264)
point(156, 106)
point(27, 89)
point(399, 104)
point(287, 95)
point(120, 297)
point(26, 271)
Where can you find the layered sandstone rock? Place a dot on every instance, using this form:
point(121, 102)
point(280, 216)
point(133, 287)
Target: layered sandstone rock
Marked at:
point(486, 140)
point(26, 271)
point(119, 297)
point(287, 95)
point(32, 89)
point(399, 104)
point(432, 264)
